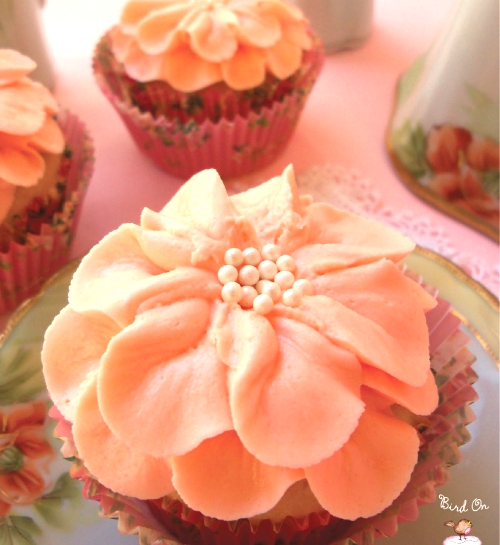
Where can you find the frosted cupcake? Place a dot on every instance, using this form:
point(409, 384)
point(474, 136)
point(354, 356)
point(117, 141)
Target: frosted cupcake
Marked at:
point(203, 84)
point(255, 369)
point(45, 165)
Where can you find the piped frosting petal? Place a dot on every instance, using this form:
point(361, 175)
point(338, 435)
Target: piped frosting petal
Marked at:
point(164, 364)
point(136, 474)
point(211, 479)
point(72, 351)
point(272, 405)
point(218, 39)
point(364, 476)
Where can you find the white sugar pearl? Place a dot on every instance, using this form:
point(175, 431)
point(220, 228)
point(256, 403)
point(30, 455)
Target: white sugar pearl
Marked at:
point(248, 275)
point(303, 286)
point(251, 256)
point(271, 252)
point(286, 263)
point(260, 285)
point(249, 294)
point(284, 279)
point(234, 256)
point(267, 269)
point(227, 273)
point(292, 298)
point(232, 292)
point(273, 290)
point(263, 304)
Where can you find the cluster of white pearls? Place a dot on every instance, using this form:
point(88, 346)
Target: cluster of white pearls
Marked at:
point(259, 280)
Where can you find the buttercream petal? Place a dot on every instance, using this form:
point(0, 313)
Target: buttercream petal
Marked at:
point(211, 479)
point(72, 349)
point(202, 212)
point(420, 400)
point(164, 364)
point(201, 73)
point(7, 192)
point(211, 37)
point(282, 10)
point(380, 292)
point(49, 139)
point(157, 31)
point(118, 466)
point(295, 397)
point(14, 66)
point(276, 211)
point(331, 226)
point(261, 31)
point(369, 471)
point(21, 166)
point(246, 69)
point(24, 107)
point(138, 64)
point(135, 10)
point(110, 271)
point(296, 33)
point(373, 347)
point(181, 282)
point(283, 58)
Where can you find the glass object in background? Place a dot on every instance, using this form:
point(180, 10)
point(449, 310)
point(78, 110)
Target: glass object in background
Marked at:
point(341, 24)
point(443, 137)
point(21, 29)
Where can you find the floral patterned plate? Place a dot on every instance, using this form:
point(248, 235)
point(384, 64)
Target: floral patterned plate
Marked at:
point(40, 504)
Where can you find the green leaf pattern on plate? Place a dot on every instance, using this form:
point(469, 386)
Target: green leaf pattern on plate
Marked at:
point(22, 388)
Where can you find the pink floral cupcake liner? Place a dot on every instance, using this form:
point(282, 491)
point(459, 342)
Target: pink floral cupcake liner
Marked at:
point(24, 266)
point(158, 521)
point(211, 128)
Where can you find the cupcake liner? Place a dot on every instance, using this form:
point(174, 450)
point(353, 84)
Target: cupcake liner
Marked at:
point(25, 265)
point(234, 132)
point(441, 433)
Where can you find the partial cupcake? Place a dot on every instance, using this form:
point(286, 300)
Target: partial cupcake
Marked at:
point(46, 160)
point(209, 84)
point(256, 369)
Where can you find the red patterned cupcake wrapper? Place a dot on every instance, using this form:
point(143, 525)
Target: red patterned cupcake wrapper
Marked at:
point(235, 140)
point(25, 266)
point(158, 521)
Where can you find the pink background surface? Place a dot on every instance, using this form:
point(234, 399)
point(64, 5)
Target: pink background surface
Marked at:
point(344, 122)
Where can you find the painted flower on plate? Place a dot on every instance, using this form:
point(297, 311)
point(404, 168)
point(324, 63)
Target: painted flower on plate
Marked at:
point(24, 454)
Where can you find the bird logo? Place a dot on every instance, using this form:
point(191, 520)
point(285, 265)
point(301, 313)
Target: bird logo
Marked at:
point(461, 528)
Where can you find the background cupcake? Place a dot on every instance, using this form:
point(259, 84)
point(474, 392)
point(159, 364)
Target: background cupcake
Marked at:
point(46, 160)
point(209, 84)
point(255, 369)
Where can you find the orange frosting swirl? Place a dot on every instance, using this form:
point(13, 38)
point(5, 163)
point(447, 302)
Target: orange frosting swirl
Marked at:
point(170, 387)
point(27, 127)
point(193, 44)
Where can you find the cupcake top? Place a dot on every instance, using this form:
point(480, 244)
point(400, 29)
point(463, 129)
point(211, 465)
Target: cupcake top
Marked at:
point(192, 44)
point(178, 378)
point(27, 127)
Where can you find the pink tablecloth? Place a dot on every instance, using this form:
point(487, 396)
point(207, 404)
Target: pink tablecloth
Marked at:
point(343, 124)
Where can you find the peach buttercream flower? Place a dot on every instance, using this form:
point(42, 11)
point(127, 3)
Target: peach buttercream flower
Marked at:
point(24, 454)
point(193, 44)
point(27, 128)
point(170, 387)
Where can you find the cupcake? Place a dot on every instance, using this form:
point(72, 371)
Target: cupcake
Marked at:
point(256, 369)
point(45, 165)
point(203, 84)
